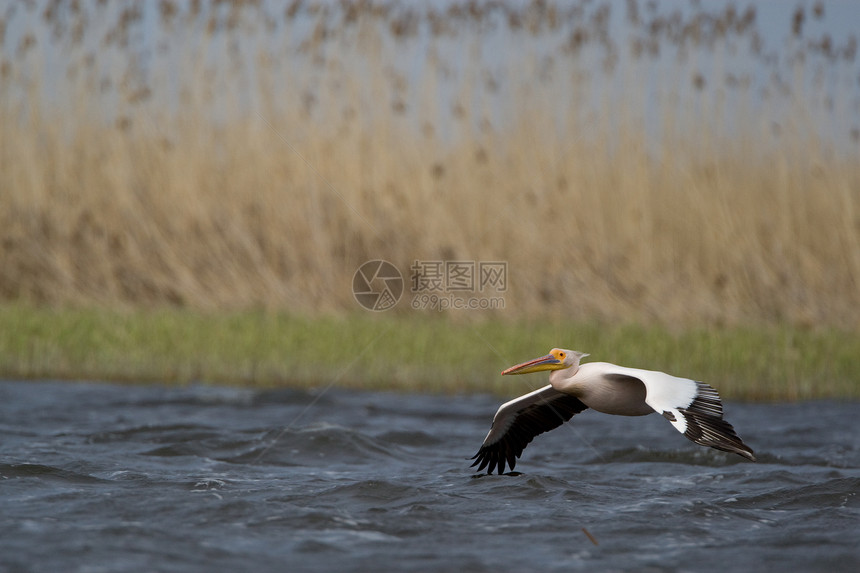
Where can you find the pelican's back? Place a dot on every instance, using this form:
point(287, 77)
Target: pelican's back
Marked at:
point(608, 388)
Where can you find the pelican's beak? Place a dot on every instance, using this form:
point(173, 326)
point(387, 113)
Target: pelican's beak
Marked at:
point(548, 362)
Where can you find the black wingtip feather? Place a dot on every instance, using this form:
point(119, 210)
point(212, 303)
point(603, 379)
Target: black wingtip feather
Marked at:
point(706, 426)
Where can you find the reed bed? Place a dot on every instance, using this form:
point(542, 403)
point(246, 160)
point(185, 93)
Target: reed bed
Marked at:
point(237, 156)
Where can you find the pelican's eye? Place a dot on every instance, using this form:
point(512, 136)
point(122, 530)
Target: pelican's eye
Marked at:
point(561, 355)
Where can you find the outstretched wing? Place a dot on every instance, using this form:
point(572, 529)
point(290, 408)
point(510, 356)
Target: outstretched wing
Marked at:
point(694, 408)
point(517, 422)
point(705, 424)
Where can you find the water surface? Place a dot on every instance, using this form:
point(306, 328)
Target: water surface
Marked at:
point(97, 477)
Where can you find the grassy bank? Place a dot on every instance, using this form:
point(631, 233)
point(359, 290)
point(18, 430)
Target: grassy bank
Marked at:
point(420, 353)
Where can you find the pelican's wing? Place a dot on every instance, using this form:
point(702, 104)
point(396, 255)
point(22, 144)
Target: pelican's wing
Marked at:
point(517, 422)
point(694, 408)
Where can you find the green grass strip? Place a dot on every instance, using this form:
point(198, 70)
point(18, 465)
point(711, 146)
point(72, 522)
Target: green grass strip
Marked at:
point(423, 352)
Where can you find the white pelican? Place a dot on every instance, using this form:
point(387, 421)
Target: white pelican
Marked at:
point(694, 408)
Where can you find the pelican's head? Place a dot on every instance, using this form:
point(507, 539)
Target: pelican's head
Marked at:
point(557, 359)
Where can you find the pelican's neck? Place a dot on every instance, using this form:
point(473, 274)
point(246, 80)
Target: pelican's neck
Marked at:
point(560, 379)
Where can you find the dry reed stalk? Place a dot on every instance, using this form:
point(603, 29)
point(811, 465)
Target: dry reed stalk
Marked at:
point(276, 207)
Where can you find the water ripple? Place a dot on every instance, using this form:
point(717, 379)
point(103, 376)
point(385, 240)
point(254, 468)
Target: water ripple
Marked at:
point(200, 479)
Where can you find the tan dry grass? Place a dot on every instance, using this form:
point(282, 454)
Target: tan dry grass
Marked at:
point(276, 207)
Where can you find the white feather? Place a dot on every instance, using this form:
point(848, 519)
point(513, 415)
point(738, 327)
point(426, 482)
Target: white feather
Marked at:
point(664, 392)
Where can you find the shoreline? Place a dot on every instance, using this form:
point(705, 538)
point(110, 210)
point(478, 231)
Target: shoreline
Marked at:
point(263, 349)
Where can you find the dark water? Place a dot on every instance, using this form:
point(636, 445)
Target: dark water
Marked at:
point(114, 478)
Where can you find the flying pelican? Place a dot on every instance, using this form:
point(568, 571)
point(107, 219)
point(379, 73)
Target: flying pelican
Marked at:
point(694, 408)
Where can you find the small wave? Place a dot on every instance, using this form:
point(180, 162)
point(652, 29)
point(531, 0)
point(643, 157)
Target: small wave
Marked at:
point(12, 471)
point(289, 396)
point(410, 438)
point(316, 445)
point(378, 492)
point(175, 450)
point(696, 456)
point(196, 395)
point(154, 433)
point(837, 492)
